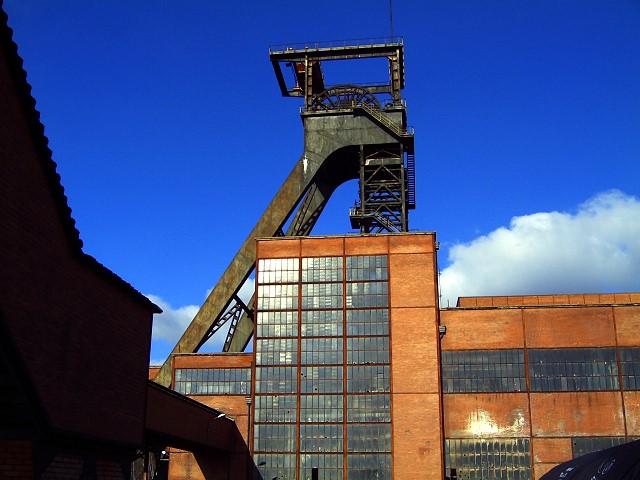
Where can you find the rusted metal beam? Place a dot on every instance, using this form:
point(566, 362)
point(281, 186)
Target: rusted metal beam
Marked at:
point(242, 264)
point(309, 58)
point(337, 52)
point(305, 218)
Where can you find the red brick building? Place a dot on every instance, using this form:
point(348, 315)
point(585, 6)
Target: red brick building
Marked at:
point(352, 348)
point(222, 382)
point(550, 376)
point(356, 372)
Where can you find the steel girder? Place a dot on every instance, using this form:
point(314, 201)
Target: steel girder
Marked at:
point(309, 57)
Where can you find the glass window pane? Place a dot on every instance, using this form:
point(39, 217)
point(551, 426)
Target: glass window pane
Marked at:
point(483, 371)
point(573, 369)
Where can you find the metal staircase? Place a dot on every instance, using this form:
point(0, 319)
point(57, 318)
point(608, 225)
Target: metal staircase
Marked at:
point(233, 314)
point(379, 116)
point(411, 180)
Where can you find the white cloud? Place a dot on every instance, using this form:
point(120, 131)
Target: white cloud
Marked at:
point(169, 326)
point(596, 249)
point(172, 322)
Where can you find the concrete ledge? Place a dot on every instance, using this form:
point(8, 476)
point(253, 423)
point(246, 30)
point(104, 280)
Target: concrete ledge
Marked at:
point(175, 420)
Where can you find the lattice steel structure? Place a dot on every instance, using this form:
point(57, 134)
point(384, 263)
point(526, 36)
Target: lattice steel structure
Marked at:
point(350, 132)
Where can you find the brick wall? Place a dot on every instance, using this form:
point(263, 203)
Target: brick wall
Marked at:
point(417, 440)
point(184, 465)
point(549, 419)
point(16, 460)
point(416, 396)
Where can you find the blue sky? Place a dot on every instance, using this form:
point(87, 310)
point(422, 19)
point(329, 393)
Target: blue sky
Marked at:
point(171, 137)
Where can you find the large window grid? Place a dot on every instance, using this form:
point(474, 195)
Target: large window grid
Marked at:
point(276, 324)
point(276, 465)
point(368, 322)
point(276, 408)
point(318, 380)
point(630, 368)
point(367, 295)
point(573, 369)
point(277, 297)
point(373, 267)
point(321, 323)
point(330, 464)
point(369, 438)
point(276, 379)
point(549, 370)
point(321, 408)
point(213, 381)
point(275, 437)
point(365, 467)
point(276, 351)
point(321, 351)
point(366, 350)
point(479, 459)
point(278, 270)
point(331, 297)
point(322, 269)
point(373, 408)
point(368, 379)
point(321, 437)
point(317, 296)
point(368, 400)
point(483, 371)
point(276, 401)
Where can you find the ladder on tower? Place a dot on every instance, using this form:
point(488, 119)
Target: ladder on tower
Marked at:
point(411, 180)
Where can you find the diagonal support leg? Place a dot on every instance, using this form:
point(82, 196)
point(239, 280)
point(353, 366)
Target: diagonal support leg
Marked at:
point(243, 263)
point(305, 218)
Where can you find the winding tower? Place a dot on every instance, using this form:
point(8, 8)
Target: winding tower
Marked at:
point(351, 131)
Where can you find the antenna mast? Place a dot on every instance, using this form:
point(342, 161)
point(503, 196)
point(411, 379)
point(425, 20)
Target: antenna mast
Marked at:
point(391, 17)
